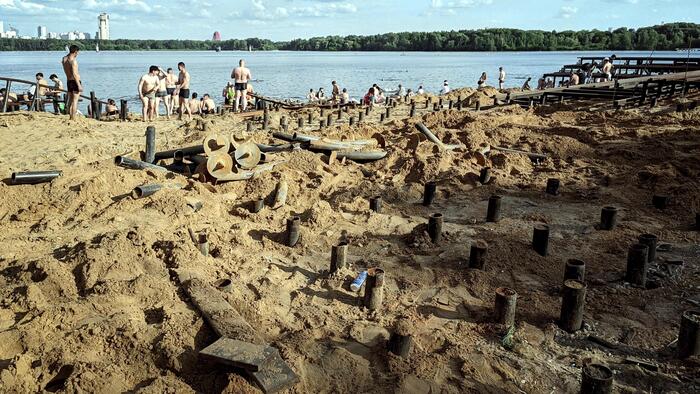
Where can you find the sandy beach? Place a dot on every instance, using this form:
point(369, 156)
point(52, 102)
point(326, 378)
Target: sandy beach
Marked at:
point(89, 276)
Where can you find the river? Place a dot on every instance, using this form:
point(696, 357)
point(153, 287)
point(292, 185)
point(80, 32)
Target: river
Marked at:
point(291, 74)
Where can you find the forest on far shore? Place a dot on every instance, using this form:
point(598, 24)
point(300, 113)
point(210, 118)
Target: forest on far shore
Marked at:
point(670, 36)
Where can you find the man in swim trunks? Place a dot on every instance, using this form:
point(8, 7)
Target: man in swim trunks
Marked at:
point(170, 86)
point(162, 93)
point(501, 77)
point(75, 86)
point(241, 76)
point(148, 86)
point(335, 92)
point(183, 90)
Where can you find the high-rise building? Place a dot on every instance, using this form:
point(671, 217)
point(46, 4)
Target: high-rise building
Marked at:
point(42, 32)
point(217, 36)
point(103, 26)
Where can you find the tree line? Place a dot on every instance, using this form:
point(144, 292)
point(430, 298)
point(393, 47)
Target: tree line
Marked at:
point(669, 36)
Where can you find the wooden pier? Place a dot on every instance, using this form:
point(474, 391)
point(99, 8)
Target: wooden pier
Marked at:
point(626, 92)
point(37, 103)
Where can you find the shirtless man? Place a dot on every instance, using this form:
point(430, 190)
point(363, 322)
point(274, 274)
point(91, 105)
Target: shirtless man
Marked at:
point(607, 69)
point(170, 85)
point(208, 105)
point(148, 86)
point(70, 67)
point(241, 76)
point(183, 90)
point(501, 77)
point(194, 104)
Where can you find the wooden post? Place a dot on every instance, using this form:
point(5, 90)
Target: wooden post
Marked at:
point(123, 110)
point(93, 105)
point(98, 113)
point(35, 105)
point(7, 96)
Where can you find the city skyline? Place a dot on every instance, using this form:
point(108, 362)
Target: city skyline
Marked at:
point(287, 19)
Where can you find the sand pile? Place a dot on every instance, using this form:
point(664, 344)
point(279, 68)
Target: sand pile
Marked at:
point(89, 276)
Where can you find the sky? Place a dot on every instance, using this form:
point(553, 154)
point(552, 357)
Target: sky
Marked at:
point(288, 19)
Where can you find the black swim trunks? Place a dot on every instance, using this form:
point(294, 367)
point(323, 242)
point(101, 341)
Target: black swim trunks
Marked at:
point(170, 91)
point(241, 86)
point(184, 93)
point(73, 86)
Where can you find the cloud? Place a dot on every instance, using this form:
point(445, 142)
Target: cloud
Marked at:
point(567, 12)
point(451, 4)
point(325, 9)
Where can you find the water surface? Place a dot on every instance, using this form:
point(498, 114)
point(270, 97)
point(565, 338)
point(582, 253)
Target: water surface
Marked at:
point(291, 74)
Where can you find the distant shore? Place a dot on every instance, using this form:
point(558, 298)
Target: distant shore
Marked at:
point(670, 36)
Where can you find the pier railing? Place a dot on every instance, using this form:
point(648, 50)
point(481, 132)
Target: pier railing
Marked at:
point(34, 104)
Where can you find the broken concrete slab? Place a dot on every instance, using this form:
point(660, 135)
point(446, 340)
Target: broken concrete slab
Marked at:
point(275, 376)
point(240, 354)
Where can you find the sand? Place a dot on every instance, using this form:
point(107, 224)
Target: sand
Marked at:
point(89, 276)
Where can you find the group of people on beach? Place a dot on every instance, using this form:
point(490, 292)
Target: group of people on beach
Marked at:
point(377, 95)
point(174, 92)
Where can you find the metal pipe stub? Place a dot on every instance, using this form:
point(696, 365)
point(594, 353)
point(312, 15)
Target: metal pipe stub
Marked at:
point(637, 265)
point(689, 335)
point(575, 270)
point(505, 305)
point(429, 193)
point(367, 110)
point(321, 124)
point(203, 244)
point(225, 285)
point(435, 227)
point(375, 204)
point(150, 155)
point(351, 121)
point(360, 116)
point(659, 202)
point(257, 205)
point(339, 254)
point(145, 190)
point(136, 164)
point(382, 117)
point(485, 175)
point(293, 225)
point(608, 218)
point(34, 177)
point(596, 379)
point(400, 341)
point(572, 304)
point(493, 213)
point(374, 289)
point(540, 238)
point(651, 241)
point(552, 187)
point(310, 118)
point(477, 254)
point(329, 120)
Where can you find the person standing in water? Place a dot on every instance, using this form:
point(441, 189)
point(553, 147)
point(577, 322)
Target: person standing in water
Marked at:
point(501, 77)
point(183, 90)
point(241, 76)
point(75, 86)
